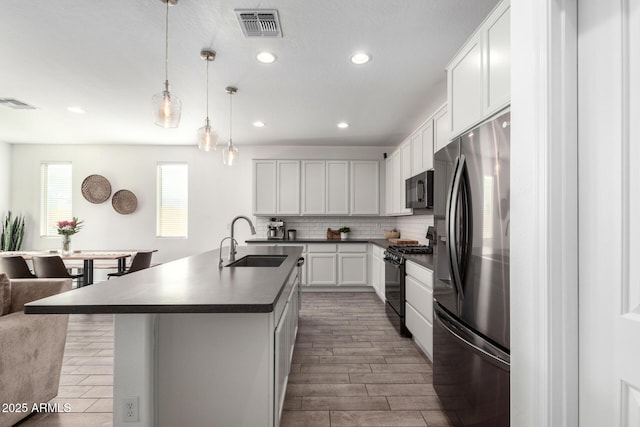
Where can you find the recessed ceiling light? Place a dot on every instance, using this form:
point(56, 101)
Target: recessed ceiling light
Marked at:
point(266, 57)
point(343, 125)
point(76, 110)
point(360, 58)
point(258, 124)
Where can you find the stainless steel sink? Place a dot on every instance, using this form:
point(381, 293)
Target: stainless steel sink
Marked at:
point(259, 261)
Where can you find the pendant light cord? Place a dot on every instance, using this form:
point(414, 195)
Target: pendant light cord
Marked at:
point(207, 90)
point(166, 48)
point(230, 118)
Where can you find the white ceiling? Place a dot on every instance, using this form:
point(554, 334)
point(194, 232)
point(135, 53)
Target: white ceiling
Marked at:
point(108, 58)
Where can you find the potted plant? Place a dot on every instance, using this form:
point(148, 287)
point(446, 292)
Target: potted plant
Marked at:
point(344, 233)
point(68, 229)
point(12, 232)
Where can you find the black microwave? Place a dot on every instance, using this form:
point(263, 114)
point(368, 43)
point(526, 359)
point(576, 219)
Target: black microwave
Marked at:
point(419, 191)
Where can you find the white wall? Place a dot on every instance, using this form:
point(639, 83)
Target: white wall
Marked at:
point(217, 193)
point(5, 173)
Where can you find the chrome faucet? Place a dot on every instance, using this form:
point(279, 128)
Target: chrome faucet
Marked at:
point(232, 245)
point(220, 250)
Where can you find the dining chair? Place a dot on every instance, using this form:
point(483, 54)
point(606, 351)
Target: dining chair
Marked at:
point(53, 267)
point(15, 267)
point(140, 261)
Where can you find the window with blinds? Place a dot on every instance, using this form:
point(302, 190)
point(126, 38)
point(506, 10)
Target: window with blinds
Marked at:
point(172, 208)
point(56, 190)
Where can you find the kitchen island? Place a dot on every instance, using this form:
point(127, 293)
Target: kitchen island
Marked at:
point(196, 344)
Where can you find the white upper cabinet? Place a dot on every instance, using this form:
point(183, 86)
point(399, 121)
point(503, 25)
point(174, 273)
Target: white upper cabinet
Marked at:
point(405, 150)
point(440, 129)
point(498, 58)
point(264, 184)
point(288, 194)
point(276, 187)
point(337, 187)
point(478, 77)
point(365, 187)
point(422, 148)
point(464, 84)
point(388, 196)
point(396, 181)
point(325, 187)
point(313, 187)
point(316, 187)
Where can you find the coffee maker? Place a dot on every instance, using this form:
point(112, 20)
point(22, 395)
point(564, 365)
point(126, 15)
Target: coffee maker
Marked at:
point(275, 229)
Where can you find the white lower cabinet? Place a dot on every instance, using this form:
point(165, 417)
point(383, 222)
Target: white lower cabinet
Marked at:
point(332, 264)
point(419, 306)
point(281, 337)
point(352, 269)
point(322, 269)
point(284, 341)
point(377, 270)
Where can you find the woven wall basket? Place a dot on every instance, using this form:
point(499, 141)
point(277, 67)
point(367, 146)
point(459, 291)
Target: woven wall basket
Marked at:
point(124, 202)
point(96, 189)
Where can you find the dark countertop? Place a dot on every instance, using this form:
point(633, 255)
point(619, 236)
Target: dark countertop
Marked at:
point(423, 260)
point(189, 285)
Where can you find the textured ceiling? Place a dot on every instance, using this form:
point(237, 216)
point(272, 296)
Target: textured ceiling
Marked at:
point(108, 58)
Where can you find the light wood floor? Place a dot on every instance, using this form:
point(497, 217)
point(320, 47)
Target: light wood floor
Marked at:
point(350, 368)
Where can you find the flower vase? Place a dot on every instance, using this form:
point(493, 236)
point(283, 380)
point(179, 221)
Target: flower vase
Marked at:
point(66, 243)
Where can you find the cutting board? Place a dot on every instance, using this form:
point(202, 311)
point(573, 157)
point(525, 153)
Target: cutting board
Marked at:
point(403, 241)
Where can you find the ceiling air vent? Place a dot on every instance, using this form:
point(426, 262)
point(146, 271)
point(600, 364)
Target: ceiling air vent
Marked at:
point(259, 22)
point(15, 104)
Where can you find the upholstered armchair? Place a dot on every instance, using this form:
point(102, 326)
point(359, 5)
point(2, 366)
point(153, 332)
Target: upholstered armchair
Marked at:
point(31, 346)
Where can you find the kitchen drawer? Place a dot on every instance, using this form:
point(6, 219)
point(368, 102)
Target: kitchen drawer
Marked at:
point(420, 297)
point(421, 329)
point(353, 247)
point(322, 247)
point(420, 273)
point(302, 245)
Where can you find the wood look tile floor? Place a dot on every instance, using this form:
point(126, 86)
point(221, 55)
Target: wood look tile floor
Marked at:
point(350, 368)
point(86, 382)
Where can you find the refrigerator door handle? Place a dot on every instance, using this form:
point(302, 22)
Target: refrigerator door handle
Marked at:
point(452, 241)
point(481, 347)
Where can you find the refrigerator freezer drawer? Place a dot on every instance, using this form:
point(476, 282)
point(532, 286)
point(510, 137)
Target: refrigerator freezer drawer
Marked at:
point(421, 329)
point(472, 383)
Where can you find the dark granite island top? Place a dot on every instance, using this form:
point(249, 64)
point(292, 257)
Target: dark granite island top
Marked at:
point(189, 285)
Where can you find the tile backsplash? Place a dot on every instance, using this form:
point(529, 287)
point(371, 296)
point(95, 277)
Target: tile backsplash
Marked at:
point(414, 227)
point(312, 227)
point(315, 227)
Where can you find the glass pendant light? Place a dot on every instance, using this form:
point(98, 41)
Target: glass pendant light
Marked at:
point(207, 138)
point(230, 155)
point(166, 107)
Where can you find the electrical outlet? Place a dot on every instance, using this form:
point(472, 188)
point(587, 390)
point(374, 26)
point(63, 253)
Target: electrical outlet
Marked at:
point(130, 412)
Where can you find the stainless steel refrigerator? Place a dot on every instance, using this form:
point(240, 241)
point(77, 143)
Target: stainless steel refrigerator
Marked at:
point(471, 291)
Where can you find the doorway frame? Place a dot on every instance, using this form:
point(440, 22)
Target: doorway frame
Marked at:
point(544, 207)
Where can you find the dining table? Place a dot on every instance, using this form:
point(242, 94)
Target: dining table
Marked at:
point(87, 257)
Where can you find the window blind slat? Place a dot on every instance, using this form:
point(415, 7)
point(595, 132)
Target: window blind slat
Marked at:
point(56, 196)
point(172, 200)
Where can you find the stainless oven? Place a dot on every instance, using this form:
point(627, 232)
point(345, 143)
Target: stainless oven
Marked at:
point(394, 289)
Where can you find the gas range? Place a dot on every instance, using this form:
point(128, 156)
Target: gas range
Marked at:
point(395, 253)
